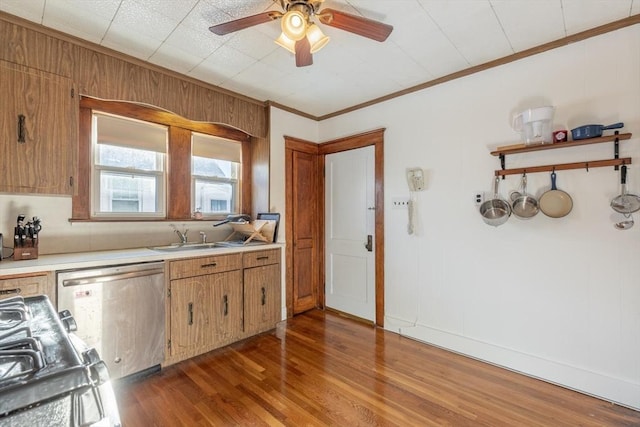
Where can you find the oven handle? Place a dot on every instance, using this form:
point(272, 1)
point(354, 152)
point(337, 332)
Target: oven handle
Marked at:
point(111, 277)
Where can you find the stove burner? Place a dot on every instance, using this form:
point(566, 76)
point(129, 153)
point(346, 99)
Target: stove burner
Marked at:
point(21, 355)
point(13, 311)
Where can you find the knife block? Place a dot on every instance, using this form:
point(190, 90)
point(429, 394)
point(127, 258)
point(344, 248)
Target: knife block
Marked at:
point(28, 251)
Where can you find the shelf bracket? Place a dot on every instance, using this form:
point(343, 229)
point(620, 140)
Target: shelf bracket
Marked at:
point(616, 149)
point(502, 163)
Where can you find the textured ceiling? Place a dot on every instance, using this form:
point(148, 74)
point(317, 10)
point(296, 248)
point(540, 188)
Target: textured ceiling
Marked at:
point(431, 39)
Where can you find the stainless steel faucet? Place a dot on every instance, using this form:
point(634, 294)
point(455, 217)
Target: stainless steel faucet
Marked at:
point(183, 235)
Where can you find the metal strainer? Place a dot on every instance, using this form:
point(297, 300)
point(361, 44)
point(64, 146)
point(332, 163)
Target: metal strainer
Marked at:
point(625, 203)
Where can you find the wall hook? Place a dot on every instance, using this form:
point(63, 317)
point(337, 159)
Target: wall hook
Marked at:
point(587, 166)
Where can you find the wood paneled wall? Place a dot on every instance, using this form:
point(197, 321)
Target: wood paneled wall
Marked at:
point(103, 73)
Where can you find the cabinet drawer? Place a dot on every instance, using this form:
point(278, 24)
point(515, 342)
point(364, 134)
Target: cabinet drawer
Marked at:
point(23, 286)
point(204, 265)
point(258, 258)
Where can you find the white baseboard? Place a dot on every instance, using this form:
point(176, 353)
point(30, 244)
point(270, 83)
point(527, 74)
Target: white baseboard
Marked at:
point(612, 389)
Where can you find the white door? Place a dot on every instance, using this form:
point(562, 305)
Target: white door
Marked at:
point(349, 220)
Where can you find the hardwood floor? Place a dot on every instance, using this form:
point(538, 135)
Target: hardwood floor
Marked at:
point(323, 369)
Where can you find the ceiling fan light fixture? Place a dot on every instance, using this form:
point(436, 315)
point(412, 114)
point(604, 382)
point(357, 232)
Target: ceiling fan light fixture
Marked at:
point(294, 25)
point(317, 39)
point(286, 42)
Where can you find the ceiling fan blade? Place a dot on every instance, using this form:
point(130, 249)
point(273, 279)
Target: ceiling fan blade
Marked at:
point(355, 24)
point(303, 53)
point(246, 22)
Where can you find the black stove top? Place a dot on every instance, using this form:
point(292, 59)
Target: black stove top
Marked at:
point(38, 361)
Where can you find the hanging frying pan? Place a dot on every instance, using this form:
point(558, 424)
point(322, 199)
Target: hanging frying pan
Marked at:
point(625, 203)
point(555, 203)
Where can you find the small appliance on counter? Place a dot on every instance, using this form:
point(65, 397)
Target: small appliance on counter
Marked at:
point(25, 238)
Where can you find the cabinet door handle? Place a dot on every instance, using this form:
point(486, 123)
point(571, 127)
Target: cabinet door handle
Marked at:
point(225, 305)
point(11, 291)
point(264, 295)
point(260, 258)
point(190, 317)
point(213, 264)
point(22, 138)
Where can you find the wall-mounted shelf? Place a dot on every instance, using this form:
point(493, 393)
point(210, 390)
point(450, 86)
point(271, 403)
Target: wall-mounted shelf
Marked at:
point(565, 166)
point(522, 148)
point(502, 152)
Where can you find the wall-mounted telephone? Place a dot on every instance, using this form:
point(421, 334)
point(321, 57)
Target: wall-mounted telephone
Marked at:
point(415, 179)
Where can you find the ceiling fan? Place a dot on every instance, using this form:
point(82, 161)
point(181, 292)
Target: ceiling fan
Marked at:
point(300, 35)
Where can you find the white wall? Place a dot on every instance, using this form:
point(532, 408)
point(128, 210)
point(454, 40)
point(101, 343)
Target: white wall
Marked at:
point(555, 298)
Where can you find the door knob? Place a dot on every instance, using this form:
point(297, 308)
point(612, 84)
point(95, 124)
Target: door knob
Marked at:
point(369, 244)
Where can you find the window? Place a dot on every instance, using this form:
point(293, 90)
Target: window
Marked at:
point(137, 163)
point(128, 169)
point(215, 170)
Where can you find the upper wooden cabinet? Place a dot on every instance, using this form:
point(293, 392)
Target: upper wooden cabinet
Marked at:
point(38, 131)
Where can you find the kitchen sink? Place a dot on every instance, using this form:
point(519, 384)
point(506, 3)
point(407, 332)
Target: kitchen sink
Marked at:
point(178, 247)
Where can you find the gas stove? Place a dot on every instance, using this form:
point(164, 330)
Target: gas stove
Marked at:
point(47, 375)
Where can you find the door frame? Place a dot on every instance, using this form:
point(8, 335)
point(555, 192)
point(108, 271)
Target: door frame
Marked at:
point(375, 138)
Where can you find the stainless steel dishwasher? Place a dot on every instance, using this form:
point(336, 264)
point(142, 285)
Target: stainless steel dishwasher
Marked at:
point(120, 311)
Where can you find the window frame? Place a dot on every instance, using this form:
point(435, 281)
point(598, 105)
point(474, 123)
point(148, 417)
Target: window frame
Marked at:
point(96, 169)
point(178, 170)
point(234, 182)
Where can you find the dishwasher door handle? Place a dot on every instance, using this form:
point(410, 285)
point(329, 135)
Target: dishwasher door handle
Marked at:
point(111, 277)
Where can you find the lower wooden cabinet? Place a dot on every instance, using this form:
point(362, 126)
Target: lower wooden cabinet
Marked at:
point(27, 286)
point(262, 291)
point(216, 300)
point(206, 311)
point(226, 307)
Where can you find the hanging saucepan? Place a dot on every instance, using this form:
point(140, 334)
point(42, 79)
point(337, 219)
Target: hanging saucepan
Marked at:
point(495, 211)
point(523, 205)
point(592, 131)
point(555, 203)
point(625, 203)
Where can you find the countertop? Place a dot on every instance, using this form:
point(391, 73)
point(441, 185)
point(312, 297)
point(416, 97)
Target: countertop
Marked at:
point(67, 261)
